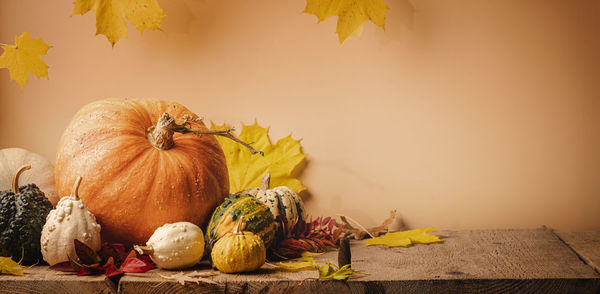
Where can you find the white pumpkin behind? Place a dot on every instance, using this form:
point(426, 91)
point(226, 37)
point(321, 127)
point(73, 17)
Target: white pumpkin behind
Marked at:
point(282, 202)
point(70, 220)
point(41, 172)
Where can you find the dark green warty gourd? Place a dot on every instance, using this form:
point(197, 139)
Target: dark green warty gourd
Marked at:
point(23, 213)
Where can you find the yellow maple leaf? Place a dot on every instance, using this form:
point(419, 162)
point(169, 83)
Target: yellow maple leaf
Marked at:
point(247, 170)
point(25, 57)
point(111, 15)
point(405, 238)
point(352, 14)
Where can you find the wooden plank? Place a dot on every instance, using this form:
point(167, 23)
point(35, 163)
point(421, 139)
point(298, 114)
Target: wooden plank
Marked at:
point(585, 244)
point(524, 261)
point(40, 279)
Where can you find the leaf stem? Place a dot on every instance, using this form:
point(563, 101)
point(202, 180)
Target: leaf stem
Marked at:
point(357, 223)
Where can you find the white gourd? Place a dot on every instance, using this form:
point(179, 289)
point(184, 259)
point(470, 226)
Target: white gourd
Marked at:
point(41, 173)
point(70, 220)
point(281, 200)
point(175, 246)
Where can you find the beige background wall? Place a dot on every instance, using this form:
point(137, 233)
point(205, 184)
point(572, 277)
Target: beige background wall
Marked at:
point(462, 114)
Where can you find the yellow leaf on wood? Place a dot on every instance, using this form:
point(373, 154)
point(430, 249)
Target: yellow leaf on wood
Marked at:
point(405, 238)
point(296, 266)
point(10, 267)
point(331, 271)
point(246, 170)
point(307, 256)
point(25, 57)
point(352, 14)
point(111, 15)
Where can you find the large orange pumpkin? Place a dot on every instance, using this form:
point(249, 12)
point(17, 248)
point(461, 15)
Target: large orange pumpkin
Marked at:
point(139, 172)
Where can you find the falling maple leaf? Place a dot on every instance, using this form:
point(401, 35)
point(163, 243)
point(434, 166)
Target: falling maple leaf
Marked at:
point(246, 170)
point(25, 57)
point(111, 15)
point(405, 238)
point(352, 14)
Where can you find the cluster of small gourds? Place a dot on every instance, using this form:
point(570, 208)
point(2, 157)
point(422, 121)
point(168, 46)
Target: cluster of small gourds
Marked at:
point(242, 226)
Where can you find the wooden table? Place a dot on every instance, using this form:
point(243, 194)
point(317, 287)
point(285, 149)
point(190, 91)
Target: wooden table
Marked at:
point(478, 261)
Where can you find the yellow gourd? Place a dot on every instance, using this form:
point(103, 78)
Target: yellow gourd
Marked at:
point(239, 251)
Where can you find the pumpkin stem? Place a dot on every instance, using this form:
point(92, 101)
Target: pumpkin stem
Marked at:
point(143, 249)
point(161, 135)
point(266, 182)
point(237, 230)
point(75, 191)
point(15, 181)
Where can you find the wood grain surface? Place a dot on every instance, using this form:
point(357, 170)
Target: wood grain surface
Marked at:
point(585, 244)
point(479, 261)
point(482, 261)
point(40, 279)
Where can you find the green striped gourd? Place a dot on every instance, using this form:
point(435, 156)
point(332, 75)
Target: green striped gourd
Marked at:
point(257, 219)
point(283, 203)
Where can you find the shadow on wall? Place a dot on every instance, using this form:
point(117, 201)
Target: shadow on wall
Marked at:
point(401, 15)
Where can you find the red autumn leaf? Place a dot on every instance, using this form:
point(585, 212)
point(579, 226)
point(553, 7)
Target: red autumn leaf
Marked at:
point(146, 259)
point(116, 251)
point(63, 267)
point(87, 271)
point(132, 254)
point(86, 254)
point(112, 271)
point(313, 235)
point(109, 262)
point(136, 265)
point(120, 249)
point(331, 224)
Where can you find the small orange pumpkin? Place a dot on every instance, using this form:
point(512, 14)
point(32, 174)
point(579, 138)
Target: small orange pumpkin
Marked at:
point(140, 171)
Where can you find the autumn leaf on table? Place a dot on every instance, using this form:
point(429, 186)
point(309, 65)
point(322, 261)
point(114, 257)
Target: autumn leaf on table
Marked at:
point(10, 267)
point(352, 14)
point(331, 271)
point(405, 238)
point(247, 170)
point(306, 261)
point(25, 57)
point(112, 260)
point(111, 15)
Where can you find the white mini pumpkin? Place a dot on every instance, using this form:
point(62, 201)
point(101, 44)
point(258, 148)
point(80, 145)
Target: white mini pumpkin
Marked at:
point(70, 220)
point(283, 202)
point(41, 173)
point(175, 246)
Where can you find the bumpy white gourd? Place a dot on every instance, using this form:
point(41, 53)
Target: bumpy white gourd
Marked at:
point(70, 220)
point(175, 246)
